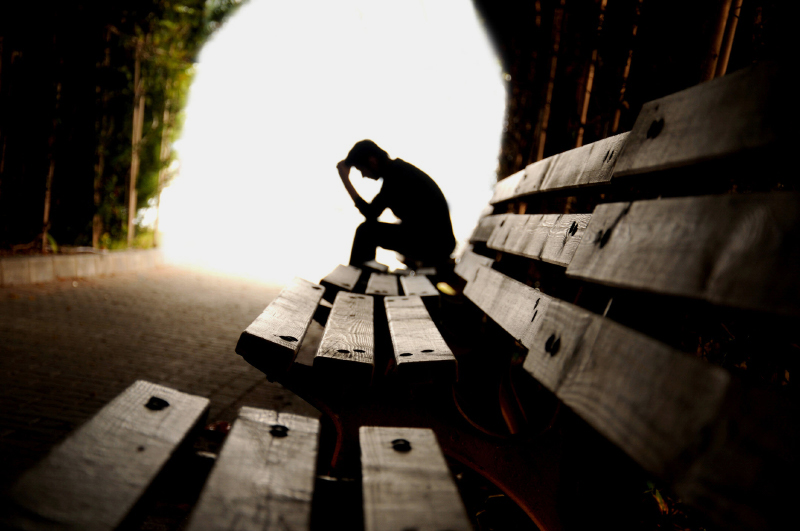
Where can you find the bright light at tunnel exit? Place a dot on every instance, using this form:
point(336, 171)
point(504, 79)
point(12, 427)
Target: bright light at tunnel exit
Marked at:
point(281, 94)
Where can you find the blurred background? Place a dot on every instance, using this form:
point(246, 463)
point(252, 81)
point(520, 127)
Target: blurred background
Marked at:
point(211, 128)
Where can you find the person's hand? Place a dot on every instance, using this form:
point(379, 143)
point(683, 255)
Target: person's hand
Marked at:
point(344, 169)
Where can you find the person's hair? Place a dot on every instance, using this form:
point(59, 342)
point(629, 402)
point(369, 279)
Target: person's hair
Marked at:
point(361, 152)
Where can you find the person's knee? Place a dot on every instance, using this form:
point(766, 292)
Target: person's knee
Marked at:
point(368, 226)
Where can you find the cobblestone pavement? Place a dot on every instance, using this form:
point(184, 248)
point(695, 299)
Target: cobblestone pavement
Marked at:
point(67, 348)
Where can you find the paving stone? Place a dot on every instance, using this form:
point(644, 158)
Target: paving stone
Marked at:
point(65, 266)
point(15, 271)
point(68, 347)
point(85, 265)
point(41, 269)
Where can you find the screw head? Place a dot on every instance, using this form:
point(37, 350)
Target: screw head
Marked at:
point(156, 404)
point(278, 430)
point(655, 128)
point(401, 445)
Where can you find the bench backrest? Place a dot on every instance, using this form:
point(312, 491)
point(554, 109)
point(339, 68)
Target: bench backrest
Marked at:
point(601, 279)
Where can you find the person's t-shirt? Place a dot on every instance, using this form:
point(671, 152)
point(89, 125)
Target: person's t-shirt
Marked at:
point(417, 201)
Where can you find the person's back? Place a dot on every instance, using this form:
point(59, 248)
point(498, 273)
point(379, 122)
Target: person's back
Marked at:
point(424, 234)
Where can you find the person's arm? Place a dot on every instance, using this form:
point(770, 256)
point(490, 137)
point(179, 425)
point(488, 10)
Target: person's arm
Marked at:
point(365, 208)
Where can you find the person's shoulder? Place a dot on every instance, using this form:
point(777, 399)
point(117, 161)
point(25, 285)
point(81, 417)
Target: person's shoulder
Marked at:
point(403, 167)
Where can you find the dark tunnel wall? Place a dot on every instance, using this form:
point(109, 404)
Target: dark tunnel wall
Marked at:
point(667, 46)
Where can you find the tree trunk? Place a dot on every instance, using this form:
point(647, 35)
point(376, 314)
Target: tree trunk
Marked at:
point(136, 138)
point(727, 42)
point(627, 70)
point(590, 76)
point(558, 18)
point(709, 64)
point(102, 128)
point(51, 171)
point(162, 172)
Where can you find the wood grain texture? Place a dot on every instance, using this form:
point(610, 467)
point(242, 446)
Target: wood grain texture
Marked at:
point(552, 238)
point(727, 115)
point(420, 351)
point(349, 341)
point(737, 250)
point(587, 165)
point(93, 479)
point(343, 278)
point(485, 227)
point(410, 489)
point(382, 284)
point(467, 266)
point(506, 188)
point(650, 400)
point(271, 342)
point(261, 481)
point(418, 285)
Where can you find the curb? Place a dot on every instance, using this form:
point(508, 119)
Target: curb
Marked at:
point(15, 270)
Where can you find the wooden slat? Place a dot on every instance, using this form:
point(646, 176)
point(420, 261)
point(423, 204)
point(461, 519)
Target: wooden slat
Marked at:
point(469, 263)
point(382, 285)
point(418, 285)
point(506, 188)
point(679, 417)
point(409, 487)
point(348, 345)
point(343, 278)
point(485, 228)
point(731, 114)
point(420, 351)
point(376, 266)
point(587, 165)
point(264, 476)
point(552, 238)
point(271, 342)
point(647, 398)
point(738, 250)
point(93, 479)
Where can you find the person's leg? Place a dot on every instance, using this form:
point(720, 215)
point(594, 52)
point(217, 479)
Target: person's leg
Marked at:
point(370, 235)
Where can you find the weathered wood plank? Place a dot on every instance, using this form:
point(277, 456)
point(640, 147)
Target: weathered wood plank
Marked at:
point(418, 285)
point(730, 114)
point(469, 263)
point(506, 188)
point(485, 227)
point(373, 265)
point(264, 476)
point(738, 250)
point(382, 285)
point(343, 278)
point(587, 165)
point(406, 482)
point(348, 345)
point(420, 351)
point(271, 342)
point(552, 238)
point(679, 417)
point(93, 479)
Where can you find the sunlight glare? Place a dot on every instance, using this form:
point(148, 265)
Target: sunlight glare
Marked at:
point(281, 94)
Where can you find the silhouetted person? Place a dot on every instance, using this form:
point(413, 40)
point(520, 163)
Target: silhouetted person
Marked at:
point(424, 235)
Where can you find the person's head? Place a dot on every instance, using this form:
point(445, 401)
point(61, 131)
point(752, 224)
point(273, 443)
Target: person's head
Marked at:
point(367, 158)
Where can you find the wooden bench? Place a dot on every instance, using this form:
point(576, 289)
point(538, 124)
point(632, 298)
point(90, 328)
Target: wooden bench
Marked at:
point(624, 319)
point(100, 477)
point(625, 312)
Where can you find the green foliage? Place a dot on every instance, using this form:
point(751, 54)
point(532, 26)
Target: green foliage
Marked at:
point(170, 35)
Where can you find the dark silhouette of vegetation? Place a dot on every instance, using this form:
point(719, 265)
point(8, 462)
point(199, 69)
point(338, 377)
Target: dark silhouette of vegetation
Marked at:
point(91, 94)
